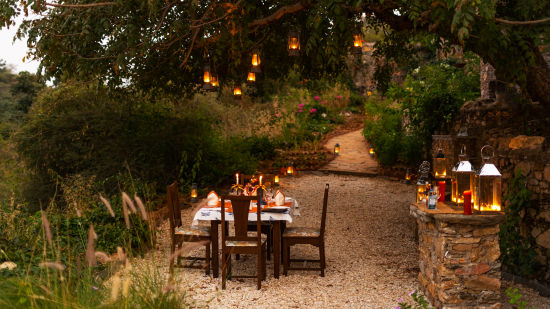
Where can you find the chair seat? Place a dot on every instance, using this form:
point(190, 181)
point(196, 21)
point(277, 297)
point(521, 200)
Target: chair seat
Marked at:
point(301, 232)
point(242, 243)
point(193, 231)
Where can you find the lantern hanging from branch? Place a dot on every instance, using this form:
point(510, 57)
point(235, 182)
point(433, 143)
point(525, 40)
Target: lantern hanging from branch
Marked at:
point(358, 43)
point(464, 177)
point(256, 61)
point(337, 149)
point(440, 165)
point(215, 83)
point(251, 77)
point(207, 78)
point(489, 183)
point(193, 192)
point(237, 92)
point(293, 43)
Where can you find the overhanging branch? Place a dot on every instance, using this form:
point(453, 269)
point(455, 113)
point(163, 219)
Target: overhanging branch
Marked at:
point(77, 6)
point(287, 9)
point(527, 22)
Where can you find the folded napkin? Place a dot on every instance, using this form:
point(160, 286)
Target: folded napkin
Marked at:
point(279, 198)
point(212, 198)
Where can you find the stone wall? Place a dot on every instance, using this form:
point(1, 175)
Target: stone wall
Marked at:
point(459, 266)
point(520, 133)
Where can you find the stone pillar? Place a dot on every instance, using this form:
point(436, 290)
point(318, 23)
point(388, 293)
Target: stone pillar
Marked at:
point(459, 265)
point(486, 75)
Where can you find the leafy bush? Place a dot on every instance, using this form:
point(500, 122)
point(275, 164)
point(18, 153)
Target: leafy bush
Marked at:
point(517, 254)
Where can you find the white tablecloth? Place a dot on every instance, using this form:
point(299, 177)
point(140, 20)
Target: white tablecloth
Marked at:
point(209, 214)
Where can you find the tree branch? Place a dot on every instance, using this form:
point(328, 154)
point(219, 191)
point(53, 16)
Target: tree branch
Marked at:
point(527, 22)
point(77, 6)
point(287, 9)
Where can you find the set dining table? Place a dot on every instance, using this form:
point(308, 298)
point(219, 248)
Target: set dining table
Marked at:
point(275, 215)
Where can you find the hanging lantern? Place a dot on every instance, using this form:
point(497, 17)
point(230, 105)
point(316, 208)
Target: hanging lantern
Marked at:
point(207, 78)
point(464, 177)
point(358, 43)
point(276, 180)
point(371, 151)
point(256, 61)
point(336, 149)
point(237, 92)
point(440, 165)
point(193, 192)
point(489, 183)
point(215, 83)
point(251, 77)
point(293, 43)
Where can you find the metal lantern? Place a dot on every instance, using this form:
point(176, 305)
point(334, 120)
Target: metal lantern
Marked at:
point(489, 183)
point(193, 192)
point(464, 177)
point(290, 170)
point(423, 171)
point(251, 77)
point(371, 151)
point(207, 78)
point(358, 43)
point(215, 83)
point(408, 176)
point(256, 61)
point(440, 165)
point(276, 180)
point(293, 43)
point(453, 183)
point(336, 149)
point(237, 92)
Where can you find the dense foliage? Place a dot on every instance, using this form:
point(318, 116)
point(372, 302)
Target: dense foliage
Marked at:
point(400, 127)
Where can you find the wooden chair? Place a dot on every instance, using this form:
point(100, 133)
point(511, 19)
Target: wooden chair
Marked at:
point(179, 235)
point(240, 242)
point(303, 235)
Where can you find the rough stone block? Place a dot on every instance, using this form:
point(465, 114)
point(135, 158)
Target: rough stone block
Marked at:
point(462, 247)
point(526, 142)
point(543, 239)
point(486, 231)
point(482, 283)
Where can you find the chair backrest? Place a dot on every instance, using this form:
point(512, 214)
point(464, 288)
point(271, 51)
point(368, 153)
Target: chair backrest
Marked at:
point(240, 205)
point(324, 214)
point(174, 210)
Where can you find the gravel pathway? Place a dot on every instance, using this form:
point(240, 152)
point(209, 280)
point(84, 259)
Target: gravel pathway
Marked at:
point(372, 257)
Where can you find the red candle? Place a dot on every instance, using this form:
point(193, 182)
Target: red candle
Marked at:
point(441, 191)
point(468, 202)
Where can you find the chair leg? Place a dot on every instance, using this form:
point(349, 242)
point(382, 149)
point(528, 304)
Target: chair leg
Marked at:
point(285, 257)
point(172, 249)
point(207, 261)
point(224, 270)
point(264, 264)
point(259, 274)
point(269, 243)
point(322, 258)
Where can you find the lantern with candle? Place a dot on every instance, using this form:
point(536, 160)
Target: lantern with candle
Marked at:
point(276, 180)
point(215, 83)
point(423, 171)
point(193, 193)
point(407, 176)
point(251, 77)
point(440, 165)
point(207, 78)
point(371, 151)
point(489, 182)
point(336, 149)
point(357, 43)
point(293, 43)
point(237, 92)
point(453, 183)
point(464, 176)
point(290, 170)
point(256, 61)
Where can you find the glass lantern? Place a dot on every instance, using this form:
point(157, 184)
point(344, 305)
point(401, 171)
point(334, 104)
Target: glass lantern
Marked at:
point(207, 78)
point(256, 62)
point(293, 43)
point(464, 177)
point(421, 184)
point(336, 149)
point(440, 165)
point(420, 191)
point(276, 180)
point(290, 170)
point(251, 77)
point(194, 193)
point(237, 92)
point(489, 185)
point(215, 83)
point(453, 183)
point(357, 43)
point(371, 151)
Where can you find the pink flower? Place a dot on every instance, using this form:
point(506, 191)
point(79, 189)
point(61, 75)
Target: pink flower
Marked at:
point(317, 98)
point(412, 292)
point(301, 105)
point(313, 110)
point(339, 97)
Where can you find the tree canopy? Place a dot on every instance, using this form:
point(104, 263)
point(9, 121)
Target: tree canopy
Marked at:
point(165, 44)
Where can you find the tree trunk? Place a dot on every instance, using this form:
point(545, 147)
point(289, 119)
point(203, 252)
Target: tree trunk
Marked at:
point(538, 80)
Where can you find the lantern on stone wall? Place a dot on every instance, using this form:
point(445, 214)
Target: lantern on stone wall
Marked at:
point(256, 61)
point(464, 176)
point(423, 172)
point(336, 149)
point(293, 43)
point(440, 165)
point(193, 192)
point(489, 183)
point(357, 43)
point(207, 78)
point(453, 183)
point(237, 92)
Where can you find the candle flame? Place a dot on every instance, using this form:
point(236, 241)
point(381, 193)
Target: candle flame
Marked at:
point(276, 179)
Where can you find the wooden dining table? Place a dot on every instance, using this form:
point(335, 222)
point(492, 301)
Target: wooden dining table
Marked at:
point(277, 219)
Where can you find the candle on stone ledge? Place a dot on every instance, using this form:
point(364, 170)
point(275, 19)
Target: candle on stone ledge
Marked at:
point(441, 191)
point(467, 202)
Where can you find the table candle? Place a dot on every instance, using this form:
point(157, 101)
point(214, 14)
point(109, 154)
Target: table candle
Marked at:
point(441, 191)
point(237, 178)
point(468, 202)
point(261, 179)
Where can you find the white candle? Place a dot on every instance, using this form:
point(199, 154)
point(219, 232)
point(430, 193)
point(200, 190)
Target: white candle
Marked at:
point(237, 176)
point(261, 179)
